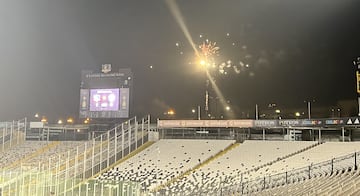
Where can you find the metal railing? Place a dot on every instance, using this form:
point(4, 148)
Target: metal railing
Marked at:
point(12, 133)
point(330, 167)
point(66, 173)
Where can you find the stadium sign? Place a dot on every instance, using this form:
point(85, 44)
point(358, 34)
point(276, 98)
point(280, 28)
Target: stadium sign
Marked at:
point(265, 123)
point(289, 122)
point(204, 123)
point(354, 121)
point(311, 122)
point(105, 68)
point(334, 122)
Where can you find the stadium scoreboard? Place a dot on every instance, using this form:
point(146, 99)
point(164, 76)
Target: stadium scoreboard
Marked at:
point(105, 94)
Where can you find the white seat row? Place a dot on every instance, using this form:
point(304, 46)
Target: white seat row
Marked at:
point(165, 160)
point(228, 169)
point(19, 152)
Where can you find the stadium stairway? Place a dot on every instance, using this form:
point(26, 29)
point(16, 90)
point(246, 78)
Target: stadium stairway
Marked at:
point(36, 153)
point(202, 164)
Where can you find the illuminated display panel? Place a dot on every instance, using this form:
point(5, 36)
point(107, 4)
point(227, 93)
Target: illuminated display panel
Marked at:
point(105, 95)
point(104, 99)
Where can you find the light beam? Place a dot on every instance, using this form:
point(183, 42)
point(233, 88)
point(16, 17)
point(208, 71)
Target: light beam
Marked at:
point(175, 11)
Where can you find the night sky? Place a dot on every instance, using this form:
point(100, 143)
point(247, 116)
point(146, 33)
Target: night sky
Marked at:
point(294, 51)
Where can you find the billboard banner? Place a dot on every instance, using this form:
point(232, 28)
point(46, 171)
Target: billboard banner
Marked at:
point(265, 123)
point(284, 123)
point(290, 122)
point(334, 122)
point(204, 123)
point(311, 123)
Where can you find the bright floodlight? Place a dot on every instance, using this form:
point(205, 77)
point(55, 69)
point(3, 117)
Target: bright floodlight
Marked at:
point(297, 114)
point(171, 112)
point(227, 108)
point(202, 62)
point(60, 122)
point(193, 111)
point(43, 119)
point(69, 120)
point(277, 111)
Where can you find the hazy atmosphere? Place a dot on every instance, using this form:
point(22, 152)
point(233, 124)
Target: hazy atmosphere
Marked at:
point(280, 51)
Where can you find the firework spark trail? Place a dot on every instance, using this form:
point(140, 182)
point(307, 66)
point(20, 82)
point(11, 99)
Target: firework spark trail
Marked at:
point(175, 11)
point(219, 94)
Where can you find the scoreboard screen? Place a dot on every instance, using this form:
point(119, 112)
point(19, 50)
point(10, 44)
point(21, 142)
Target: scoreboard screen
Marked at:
point(104, 99)
point(105, 95)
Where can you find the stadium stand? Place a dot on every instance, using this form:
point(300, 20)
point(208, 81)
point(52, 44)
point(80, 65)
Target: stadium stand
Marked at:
point(230, 167)
point(124, 161)
point(165, 160)
point(320, 153)
point(20, 152)
point(59, 167)
point(347, 183)
point(312, 159)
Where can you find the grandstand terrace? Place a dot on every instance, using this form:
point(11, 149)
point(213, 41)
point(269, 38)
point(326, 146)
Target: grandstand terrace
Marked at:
point(232, 166)
point(134, 158)
point(165, 160)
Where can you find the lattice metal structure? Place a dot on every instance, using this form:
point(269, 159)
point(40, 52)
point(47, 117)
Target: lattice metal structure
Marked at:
point(70, 173)
point(12, 133)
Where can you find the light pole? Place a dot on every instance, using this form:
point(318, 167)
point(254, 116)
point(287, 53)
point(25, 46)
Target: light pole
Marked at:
point(193, 111)
point(256, 112)
point(277, 111)
point(309, 107)
point(339, 112)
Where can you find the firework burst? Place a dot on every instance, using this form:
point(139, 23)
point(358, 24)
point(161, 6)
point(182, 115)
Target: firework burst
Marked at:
point(208, 49)
point(215, 55)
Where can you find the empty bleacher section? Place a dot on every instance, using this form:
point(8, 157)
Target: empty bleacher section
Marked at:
point(48, 167)
point(324, 160)
point(126, 160)
point(165, 160)
point(347, 183)
point(231, 166)
point(18, 153)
